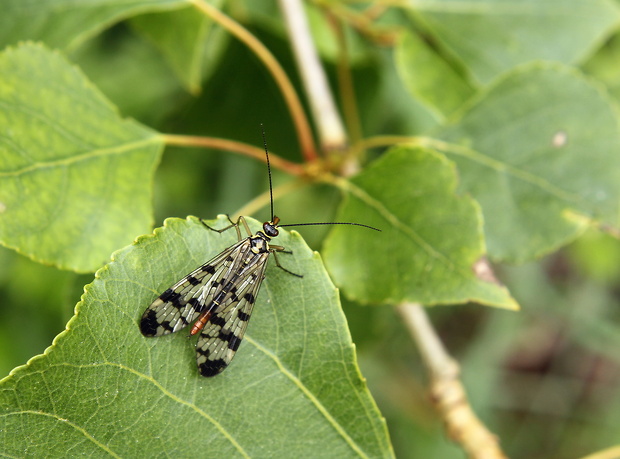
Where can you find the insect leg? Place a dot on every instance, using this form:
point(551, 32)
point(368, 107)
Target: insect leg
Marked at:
point(276, 248)
point(232, 225)
point(245, 225)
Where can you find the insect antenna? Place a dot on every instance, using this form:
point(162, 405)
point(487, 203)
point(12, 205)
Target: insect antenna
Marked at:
point(298, 224)
point(332, 223)
point(268, 170)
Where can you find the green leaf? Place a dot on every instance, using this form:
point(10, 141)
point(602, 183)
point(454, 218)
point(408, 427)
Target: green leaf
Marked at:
point(429, 77)
point(181, 36)
point(66, 23)
point(103, 388)
point(542, 159)
point(114, 70)
point(75, 178)
point(431, 239)
point(492, 36)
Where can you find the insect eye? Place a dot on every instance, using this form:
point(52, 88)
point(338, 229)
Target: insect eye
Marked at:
point(270, 229)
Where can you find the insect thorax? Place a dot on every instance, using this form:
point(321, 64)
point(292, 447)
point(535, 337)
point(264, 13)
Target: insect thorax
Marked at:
point(260, 243)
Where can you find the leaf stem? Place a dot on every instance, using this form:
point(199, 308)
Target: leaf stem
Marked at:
point(236, 147)
point(447, 391)
point(390, 140)
point(345, 80)
point(302, 126)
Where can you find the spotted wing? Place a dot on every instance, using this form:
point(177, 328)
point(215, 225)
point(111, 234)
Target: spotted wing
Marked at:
point(182, 303)
point(226, 327)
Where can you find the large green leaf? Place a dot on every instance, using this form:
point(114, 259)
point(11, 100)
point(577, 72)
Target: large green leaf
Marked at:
point(492, 36)
point(113, 70)
point(293, 389)
point(75, 178)
point(429, 77)
point(181, 36)
point(431, 239)
point(541, 157)
point(65, 23)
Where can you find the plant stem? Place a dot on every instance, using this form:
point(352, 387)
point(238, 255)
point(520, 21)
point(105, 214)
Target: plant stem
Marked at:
point(345, 80)
point(326, 118)
point(447, 391)
point(302, 126)
point(236, 147)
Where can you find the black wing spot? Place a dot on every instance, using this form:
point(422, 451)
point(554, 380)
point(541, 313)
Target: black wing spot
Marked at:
point(149, 324)
point(206, 352)
point(196, 304)
point(209, 269)
point(233, 342)
point(166, 295)
point(229, 337)
point(249, 298)
point(243, 316)
point(217, 320)
point(170, 296)
point(225, 335)
point(212, 367)
point(192, 280)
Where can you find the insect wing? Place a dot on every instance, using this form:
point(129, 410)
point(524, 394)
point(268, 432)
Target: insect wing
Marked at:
point(225, 329)
point(182, 303)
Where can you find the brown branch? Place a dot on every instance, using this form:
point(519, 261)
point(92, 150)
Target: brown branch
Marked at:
point(235, 147)
point(302, 126)
point(447, 391)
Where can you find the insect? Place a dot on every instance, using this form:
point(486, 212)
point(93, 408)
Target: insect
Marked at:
point(219, 296)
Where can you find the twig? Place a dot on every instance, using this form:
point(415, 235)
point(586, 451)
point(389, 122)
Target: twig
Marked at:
point(447, 392)
point(326, 118)
point(235, 147)
point(302, 125)
point(345, 79)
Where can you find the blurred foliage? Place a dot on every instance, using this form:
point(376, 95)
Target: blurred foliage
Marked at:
point(545, 379)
